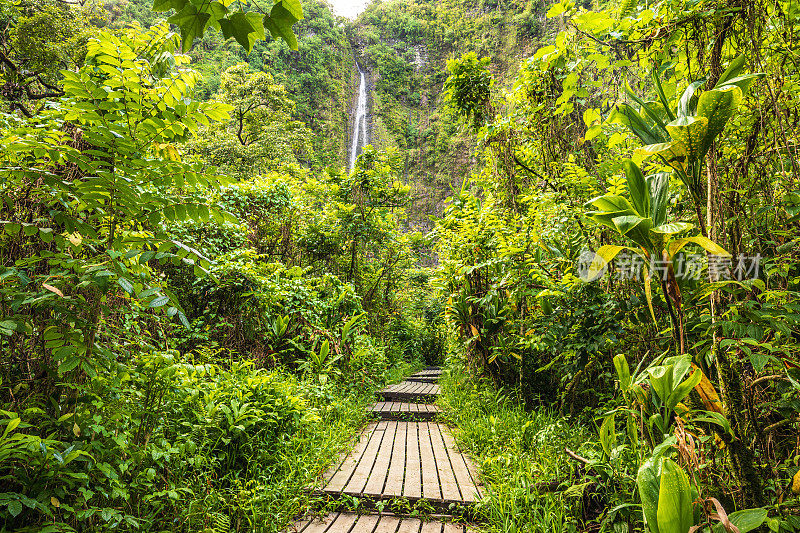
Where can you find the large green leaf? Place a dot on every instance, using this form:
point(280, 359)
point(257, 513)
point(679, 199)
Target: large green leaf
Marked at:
point(690, 132)
point(717, 106)
point(688, 102)
point(650, 109)
point(658, 184)
point(600, 260)
point(608, 434)
point(630, 118)
point(612, 203)
point(637, 188)
point(192, 23)
point(648, 483)
point(672, 153)
point(744, 520)
point(672, 228)
point(683, 389)
point(734, 69)
point(281, 18)
point(710, 246)
point(635, 228)
point(655, 73)
point(674, 512)
point(627, 223)
point(623, 371)
point(661, 380)
point(743, 82)
point(609, 207)
point(246, 28)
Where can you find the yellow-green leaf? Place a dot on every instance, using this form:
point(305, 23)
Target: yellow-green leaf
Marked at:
point(689, 132)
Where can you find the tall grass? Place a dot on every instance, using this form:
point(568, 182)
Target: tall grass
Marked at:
point(515, 450)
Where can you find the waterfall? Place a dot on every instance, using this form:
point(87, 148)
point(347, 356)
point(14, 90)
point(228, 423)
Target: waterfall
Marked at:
point(359, 140)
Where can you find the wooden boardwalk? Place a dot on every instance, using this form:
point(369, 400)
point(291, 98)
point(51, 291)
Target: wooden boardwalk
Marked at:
point(402, 455)
point(409, 391)
point(348, 522)
point(412, 460)
point(423, 379)
point(404, 411)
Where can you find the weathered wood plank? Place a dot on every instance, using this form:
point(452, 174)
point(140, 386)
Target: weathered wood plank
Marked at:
point(408, 390)
point(412, 485)
point(467, 483)
point(447, 479)
point(338, 476)
point(396, 475)
point(388, 524)
point(380, 469)
point(431, 527)
point(404, 411)
point(342, 524)
point(353, 523)
point(430, 475)
point(361, 473)
point(423, 379)
point(408, 459)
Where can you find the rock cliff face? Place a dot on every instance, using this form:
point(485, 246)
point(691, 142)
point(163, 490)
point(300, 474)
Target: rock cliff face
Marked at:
point(404, 46)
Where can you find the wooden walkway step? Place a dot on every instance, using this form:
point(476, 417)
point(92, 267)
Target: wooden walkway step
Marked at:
point(426, 376)
point(404, 411)
point(353, 523)
point(422, 379)
point(413, 460)
point(409, 390)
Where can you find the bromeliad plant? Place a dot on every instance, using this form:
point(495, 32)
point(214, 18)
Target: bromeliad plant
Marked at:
point(643, 220)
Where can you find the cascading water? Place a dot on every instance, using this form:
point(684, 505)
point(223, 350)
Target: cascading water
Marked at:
point(359, 140)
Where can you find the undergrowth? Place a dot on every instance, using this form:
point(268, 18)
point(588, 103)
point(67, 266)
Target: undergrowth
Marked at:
point(518, 452)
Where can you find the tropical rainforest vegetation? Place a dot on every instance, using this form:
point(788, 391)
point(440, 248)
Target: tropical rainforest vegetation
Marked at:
point(587, 212)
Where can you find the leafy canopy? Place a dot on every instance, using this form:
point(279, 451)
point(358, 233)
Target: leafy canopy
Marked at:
point(245, 25)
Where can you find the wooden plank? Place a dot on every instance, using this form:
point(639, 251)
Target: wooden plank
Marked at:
point(365, 523)
point(380, 469)
point(431, 527)
point(377, 523)
point(388, 524)
point(423, 379)
point(361, 473)
point(394, 479)
point(412, 484)
point(467, 484)
point(447, 479)
point(342, 524)
point(338, 476)
point(319, 526)
point(413, 387)
point(409, 525)
point(430, 477)
point(404, 410)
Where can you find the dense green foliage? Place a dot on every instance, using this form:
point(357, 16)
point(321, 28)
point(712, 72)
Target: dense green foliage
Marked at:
point(183, 318)
point(635, 209)
point(197, 300)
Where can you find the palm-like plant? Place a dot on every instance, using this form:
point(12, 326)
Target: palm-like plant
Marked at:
point(643, 220)
point(683, 137)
